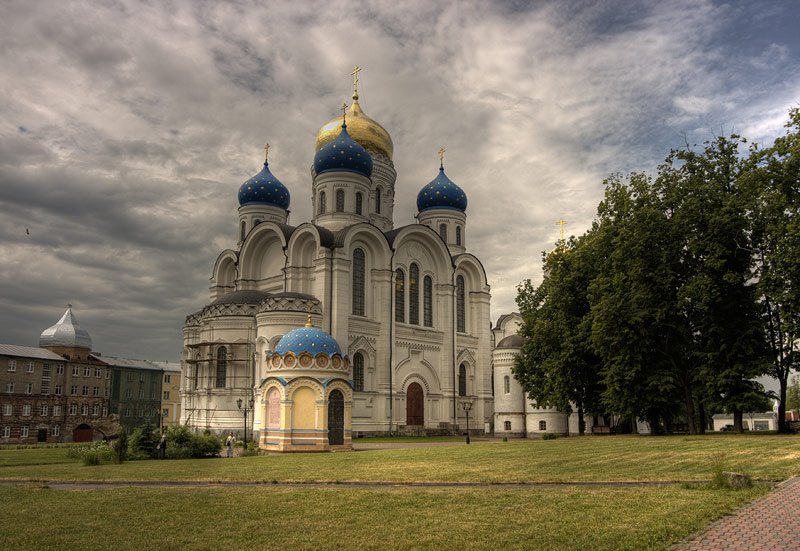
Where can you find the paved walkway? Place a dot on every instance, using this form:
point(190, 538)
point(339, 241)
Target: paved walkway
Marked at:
point(770, 523)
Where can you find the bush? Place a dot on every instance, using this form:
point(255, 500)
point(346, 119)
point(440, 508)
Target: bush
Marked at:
point(549, 436)
point(95, 453)
point(121, 447)
point(143, 442)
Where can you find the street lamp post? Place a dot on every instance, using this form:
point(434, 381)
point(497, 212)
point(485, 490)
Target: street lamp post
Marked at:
point(467, 406)
point(245, 411)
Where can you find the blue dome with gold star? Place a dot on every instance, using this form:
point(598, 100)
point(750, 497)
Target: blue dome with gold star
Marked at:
point(442, 193)
point(343, 154)
point(308, 339)
point(264, 189)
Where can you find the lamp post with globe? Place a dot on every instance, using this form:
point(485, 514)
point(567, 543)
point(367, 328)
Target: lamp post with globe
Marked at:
point(467, 407)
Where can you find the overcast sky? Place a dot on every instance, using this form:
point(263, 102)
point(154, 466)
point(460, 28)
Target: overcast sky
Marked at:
point(128, 126)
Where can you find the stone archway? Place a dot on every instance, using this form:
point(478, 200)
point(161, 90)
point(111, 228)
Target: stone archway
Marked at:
point(336, 418)
point(415, 405)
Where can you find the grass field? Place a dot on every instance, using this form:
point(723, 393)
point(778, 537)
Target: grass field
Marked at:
point(341, 516)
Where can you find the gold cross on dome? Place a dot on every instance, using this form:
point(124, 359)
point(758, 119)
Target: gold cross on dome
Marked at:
point(356, 70)
point(441, 156)
point(561, 223)
point(344, 113)
point(266, 152)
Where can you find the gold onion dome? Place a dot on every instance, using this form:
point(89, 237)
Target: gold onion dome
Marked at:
point(364, 130)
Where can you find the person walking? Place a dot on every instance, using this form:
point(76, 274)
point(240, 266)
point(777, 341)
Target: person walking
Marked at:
point(162, 446)
point(229, 443)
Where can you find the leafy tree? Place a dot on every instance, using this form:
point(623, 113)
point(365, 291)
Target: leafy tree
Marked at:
point(793, 395)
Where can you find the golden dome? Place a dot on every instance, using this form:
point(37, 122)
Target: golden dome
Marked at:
point(364, 130)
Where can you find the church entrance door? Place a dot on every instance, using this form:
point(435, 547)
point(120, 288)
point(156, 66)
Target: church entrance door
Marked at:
point(415, 405)
point(336, 418)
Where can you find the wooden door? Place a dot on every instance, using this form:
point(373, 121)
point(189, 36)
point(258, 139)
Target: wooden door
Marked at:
point(336, 418)
point(415, 405)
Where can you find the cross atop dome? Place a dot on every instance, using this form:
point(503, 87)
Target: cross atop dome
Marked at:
point(356, 70)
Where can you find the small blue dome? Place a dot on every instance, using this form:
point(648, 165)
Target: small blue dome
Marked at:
point(307, 339)
point(343, 154)
point(264, 189)
point(442, 193)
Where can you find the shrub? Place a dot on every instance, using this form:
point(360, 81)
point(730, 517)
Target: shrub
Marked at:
point(143, 441)
point(549, 436)
point(95, 453)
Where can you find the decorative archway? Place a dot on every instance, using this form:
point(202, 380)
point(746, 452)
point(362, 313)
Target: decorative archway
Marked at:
point(336, 418)
point(415, 405)
point(82, 433)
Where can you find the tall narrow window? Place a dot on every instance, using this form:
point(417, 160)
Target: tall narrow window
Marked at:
point(458, 235)
point(399, 296)
point(339, 200)
point(321, 207)
point(413, 295)
point(507, 384)
point(427, 301)
point(378, 200)
point(443, 232)
point(244, 230)
point(462, 380)
point(359, 275)
point(461, 325)
point(222, 366)
point(359, 203)
point(358, 371)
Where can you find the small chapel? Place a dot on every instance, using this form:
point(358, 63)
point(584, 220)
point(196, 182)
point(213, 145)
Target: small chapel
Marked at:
point(403, 309)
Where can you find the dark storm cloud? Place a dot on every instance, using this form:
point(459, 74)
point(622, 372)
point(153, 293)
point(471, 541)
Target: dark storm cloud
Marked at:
point(127, 127)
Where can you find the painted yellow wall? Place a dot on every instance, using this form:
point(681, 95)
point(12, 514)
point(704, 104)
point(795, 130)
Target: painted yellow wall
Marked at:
point(304, 408)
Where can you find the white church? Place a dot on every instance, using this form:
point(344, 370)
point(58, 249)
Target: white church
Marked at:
point(409, 306)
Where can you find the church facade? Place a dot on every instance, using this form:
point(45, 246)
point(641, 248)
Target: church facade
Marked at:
point(409, 305)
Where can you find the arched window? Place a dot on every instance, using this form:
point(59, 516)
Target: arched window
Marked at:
point(507, 384)
point(399, 296)
point(321, 208)
point(507, 425)
point(339, 200)
point(443, 232)
point(378, 200)
point(359, 276)
point(359, 203)
point(222, 367)
point(427, 301)
point(244, 230)
point(462, 380)
point(196, 372)
point(358, 371)
point(413, 295)
point(461, 325)
point(458, 235)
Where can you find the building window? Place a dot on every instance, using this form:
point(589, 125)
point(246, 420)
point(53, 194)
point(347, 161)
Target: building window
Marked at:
point(165, 413)
point(97, 372)
point(359, 277)
point(413, 294)
point(23, 432)
point(6, 432)
point(458, 235)
point(507, 384)
point(141, 393)
point(96, 410)
point(127, 412)
point(73, 409)
point(166, 394)
point(462, 380)
point(377, 200)
point(106, 392)
point(44, 410)
point(9, 387)
point(56, 411)
point(85, 391)
point(45, 387)
point(105, 412)
point(243, 232)
point(322, 207)
point(46, 370)
point(222, 366)
point(542, 425)
point(76, 371)
point(461, 325)
point(427, 301)
point(443, 232)
point(108, 373)
point(507, 425)
point(95, 391)
point(28, 388)
point(58, 390)
point(399, 296)
point(87, 371)
point(358, 371)
point(8, 409)
point(359, 203)
point(56, 430)
point(339, 200)
point(31, 367)
point(128, 393)
point(60, 370)
point(85, 409)
point(12, 365)
point(167, 378)
point(26, 410)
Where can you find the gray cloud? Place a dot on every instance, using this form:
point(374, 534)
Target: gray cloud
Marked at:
point(128, 126)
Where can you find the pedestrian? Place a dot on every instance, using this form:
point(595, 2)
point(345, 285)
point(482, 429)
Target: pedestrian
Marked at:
point(229, 444)
point(162, 446)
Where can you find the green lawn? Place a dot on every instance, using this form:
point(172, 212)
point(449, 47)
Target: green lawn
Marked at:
point(274, 516)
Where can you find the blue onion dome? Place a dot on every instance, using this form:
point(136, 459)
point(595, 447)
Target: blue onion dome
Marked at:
point(308, 339)
point(442, 193)
point(264, 189)
point(343, 154)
